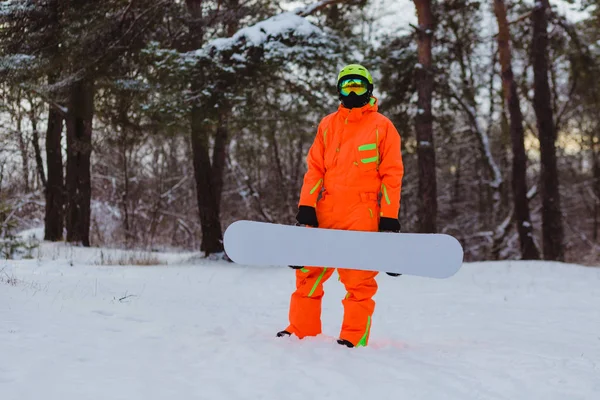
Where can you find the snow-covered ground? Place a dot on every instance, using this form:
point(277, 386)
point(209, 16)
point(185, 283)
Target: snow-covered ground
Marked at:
point(195, 329)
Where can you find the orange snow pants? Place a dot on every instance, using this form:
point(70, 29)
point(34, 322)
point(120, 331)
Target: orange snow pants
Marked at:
point(350, 212)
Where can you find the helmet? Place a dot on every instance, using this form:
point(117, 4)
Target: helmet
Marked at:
point(356, 72)
point(355, 69)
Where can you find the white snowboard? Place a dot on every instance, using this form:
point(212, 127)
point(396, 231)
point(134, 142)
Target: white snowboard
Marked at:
point(427, 255)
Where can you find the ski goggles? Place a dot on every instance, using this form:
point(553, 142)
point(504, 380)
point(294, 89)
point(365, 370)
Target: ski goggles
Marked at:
point(353, 85)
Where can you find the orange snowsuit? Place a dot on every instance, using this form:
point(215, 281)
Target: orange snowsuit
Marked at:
point(356, 161)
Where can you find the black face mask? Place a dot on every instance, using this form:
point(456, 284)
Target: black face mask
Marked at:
point(355, 101)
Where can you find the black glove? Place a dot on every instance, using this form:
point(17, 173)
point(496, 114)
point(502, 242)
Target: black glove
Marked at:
point(389, 225)
point(307, 216)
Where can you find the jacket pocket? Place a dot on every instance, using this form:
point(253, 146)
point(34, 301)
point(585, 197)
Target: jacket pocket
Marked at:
point(367, 156)
point(370, 210)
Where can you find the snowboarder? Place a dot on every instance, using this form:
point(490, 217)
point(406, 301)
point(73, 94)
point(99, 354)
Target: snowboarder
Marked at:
point(355, 164)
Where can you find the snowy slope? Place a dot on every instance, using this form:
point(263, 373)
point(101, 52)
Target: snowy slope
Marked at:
point(70, 329)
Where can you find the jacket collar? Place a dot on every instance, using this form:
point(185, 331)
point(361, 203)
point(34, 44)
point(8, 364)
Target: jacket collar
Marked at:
point(356, 114)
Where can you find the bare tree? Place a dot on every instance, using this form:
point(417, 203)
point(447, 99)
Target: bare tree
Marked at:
point(35, 141)
point(206, 190)
point(529, 250)
point(79, 149)
point(424, 120)
point(552, 227)
point(55, 188)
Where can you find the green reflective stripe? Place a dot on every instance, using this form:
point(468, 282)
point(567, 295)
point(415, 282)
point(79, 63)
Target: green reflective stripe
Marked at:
point(377, 142)
point(325, 136)
point(317, 282)
point(385, 194)
point(370, 146)
point(316, 186)
point(363, 340)
point(303, 270)
point(369, 160)
point(371, 212)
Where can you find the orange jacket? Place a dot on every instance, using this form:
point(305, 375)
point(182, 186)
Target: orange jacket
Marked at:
point(355, 151)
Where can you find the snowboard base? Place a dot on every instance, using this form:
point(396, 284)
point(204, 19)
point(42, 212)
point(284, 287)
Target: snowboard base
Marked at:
point(431, 255)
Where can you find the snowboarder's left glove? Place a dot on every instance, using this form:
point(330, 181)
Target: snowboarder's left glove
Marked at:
point(307, 216)
point(389, 225)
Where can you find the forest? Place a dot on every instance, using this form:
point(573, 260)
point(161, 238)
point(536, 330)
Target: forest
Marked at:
point(154, 124)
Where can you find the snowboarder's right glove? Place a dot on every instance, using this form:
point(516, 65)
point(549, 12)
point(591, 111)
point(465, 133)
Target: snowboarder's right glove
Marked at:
point(389, 225)
point(307, 216)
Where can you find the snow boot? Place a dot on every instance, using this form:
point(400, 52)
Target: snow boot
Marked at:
point(344, 342)
point(283, 333)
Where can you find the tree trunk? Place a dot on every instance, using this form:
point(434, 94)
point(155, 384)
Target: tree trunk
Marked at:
point(55, 189)
point(456, 187)
point(208, 188)
point(529, 250)
point(552, 226)
point(427, 212)
point(35, 142)
point(54, 221)
point(212, 236)
point(23, 149)
point(79, 150)
point(39, 163)
point(218, 159)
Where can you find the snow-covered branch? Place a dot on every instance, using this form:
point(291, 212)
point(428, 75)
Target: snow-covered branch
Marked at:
point(12, 7)
point(16, 62)
point(531, 193)
point(313, 8)
point(286, 24)
point(282, 36)
point(484, 141)
point(42, 93)
point(502, 230)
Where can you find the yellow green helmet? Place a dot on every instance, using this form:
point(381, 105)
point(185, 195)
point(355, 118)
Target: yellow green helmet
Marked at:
point(355, 69)
point(354, 86)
